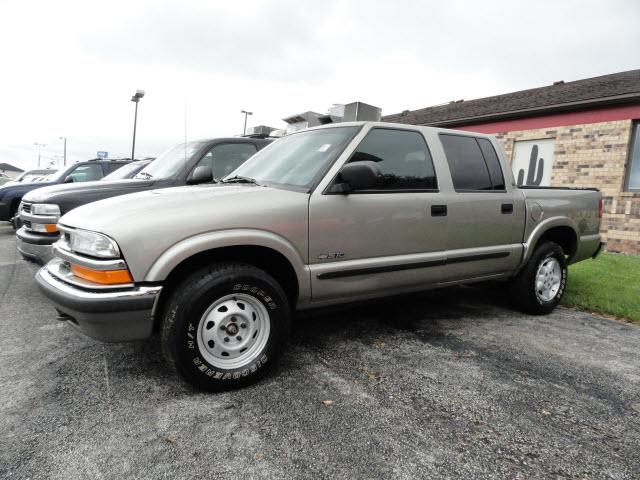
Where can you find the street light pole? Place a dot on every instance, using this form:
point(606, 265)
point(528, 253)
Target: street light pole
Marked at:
point(64, 155)
point(244, 132)
point(39, 145)
point(136, 98)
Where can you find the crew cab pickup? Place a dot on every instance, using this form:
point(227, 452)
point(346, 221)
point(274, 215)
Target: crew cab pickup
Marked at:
point(335, 214)
point(11, 194)
point(191, 163)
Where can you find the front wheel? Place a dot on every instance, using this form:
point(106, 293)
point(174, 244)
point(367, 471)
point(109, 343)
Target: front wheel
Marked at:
point(225, 326)
point(539, 286)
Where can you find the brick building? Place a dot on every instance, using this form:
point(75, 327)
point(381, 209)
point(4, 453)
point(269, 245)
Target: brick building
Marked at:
point(584, 133)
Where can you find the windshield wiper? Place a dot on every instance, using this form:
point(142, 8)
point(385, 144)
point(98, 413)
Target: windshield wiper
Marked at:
point(240, 179)
point(145, 174)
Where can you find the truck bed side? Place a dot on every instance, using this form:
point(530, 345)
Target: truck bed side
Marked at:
point(562, 209)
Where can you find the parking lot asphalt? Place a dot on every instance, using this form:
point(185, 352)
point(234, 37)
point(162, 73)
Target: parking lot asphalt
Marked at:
point(449, 384)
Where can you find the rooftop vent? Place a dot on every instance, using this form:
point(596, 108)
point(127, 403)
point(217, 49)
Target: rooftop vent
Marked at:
point(558, 82)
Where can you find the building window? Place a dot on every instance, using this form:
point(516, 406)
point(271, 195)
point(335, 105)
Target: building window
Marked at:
point(633, 165)
point(532, 162)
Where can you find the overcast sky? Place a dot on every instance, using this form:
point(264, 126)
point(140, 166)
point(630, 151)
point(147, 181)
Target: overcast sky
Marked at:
point(69, 68)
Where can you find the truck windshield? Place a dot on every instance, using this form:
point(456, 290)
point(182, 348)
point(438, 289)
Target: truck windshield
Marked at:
point(170, 162)
point(298, 159)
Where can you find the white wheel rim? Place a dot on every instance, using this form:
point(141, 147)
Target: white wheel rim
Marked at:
point(548, 279)
point(233, 331)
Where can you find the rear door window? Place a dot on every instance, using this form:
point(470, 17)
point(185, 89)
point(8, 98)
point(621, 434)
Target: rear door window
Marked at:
point(113, 166)
point(466, 163)
point(402, 156)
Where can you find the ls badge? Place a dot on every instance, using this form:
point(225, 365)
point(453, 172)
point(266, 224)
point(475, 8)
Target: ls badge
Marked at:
point(330, 256)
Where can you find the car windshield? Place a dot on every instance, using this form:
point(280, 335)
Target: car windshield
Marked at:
point(126, 171)
point(298, 159)
point(170, 162)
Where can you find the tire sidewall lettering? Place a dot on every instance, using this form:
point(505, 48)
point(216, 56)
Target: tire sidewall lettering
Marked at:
point(201, 366)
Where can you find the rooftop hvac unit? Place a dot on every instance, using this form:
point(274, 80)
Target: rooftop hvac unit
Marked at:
point(260, 130)
point(358, 111)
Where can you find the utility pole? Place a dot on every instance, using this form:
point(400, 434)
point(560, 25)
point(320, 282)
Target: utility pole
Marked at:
point(244, 132)
point(64, 155)
point(136, 98)
point(39, 145)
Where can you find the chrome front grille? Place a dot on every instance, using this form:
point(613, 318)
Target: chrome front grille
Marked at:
point(26, 207)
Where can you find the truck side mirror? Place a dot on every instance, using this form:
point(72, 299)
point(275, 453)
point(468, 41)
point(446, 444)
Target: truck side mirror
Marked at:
point(69, 179)
point(363, 175)
point(201, 174)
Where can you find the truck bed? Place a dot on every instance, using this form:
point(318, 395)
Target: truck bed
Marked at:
point(580, 205)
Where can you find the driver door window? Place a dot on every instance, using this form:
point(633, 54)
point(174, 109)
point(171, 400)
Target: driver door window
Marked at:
point(226, 157)
point(87, 173)
point(403, 158)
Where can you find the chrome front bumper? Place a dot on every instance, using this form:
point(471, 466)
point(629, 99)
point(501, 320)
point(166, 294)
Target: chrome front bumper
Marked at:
point(35, 247)
point(108, 315)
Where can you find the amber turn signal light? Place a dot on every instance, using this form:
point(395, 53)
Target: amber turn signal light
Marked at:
point(105, 277)
point(51, 227)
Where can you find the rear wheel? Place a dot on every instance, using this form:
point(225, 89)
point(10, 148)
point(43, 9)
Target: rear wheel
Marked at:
point(540, 285)
point(225, 326)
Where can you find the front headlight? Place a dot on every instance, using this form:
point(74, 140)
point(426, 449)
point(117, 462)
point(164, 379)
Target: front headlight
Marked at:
point(93, 244)
point(45, 209)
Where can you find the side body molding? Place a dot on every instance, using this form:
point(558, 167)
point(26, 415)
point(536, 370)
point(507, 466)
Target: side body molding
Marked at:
point(188, 247)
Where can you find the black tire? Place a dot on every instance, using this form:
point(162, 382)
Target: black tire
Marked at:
point(194, 296)
point(13, 217)
point(523, 285)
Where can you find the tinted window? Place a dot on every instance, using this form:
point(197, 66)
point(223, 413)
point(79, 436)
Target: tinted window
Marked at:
point(113, 166)
point(633, 165)
point(126, 171)
point(466, 163)
point(493, 164)
point(87, 172)
point(402, 156)
point(225, 158)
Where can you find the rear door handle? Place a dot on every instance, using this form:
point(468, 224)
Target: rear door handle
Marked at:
point(507, 208)
point(438, 210)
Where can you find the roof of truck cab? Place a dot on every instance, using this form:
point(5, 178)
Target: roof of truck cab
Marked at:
point(402, 126)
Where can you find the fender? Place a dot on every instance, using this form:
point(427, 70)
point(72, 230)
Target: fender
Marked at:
point(188, 247)
point(540, 229)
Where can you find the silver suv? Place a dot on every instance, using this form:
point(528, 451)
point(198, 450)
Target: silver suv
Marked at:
point(329, 215)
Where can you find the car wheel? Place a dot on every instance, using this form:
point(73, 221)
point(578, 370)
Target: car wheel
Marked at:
point(225, 326)
point(540, 285)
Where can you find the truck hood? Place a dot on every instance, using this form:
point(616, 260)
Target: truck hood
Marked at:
point(195, 208)
point(55, 193)
point(11, 188)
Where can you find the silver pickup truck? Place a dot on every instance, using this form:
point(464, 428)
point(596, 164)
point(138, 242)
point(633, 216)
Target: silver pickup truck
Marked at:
point(330, 215)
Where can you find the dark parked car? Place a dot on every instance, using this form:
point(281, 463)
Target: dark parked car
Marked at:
point(195, 162)
point(11, 195)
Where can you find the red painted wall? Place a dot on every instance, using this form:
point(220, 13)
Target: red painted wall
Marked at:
point(609, 114)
